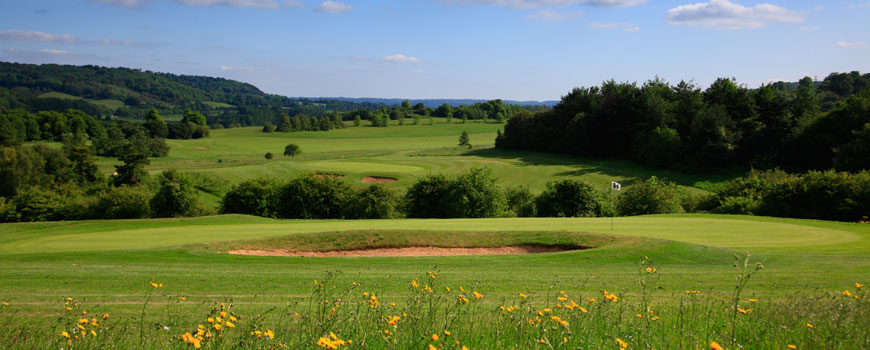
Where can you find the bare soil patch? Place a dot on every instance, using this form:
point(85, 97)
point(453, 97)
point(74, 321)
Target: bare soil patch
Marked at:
point(378, 179)
point(408, 251)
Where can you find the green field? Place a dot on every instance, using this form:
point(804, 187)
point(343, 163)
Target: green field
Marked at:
point(108, 103)
point(107, 264)
point(405, 152)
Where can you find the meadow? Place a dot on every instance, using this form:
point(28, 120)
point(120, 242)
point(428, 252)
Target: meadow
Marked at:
point(646, 282)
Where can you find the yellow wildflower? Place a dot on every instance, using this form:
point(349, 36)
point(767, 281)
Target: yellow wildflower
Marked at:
point(792, 346)
point(434, 337)
point(622, 343)
point(715, 346)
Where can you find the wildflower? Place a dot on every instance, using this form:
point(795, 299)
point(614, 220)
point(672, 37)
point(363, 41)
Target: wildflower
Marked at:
point(464, 348)
point(792, 346)
point(622, 343)
point(810, 325)
point(93, 333)
point(542, 341)
point(656, 318)
point(753, 300)
point(523, 296)
point(105, 316)
point(210, 320)
point(217, 327)
point(434, 337)
point(559, 320)
point(447, 333)
point(639, 316)
point(610, 297)
point(591, 300)
point(233, 318)
point(858, 285)
point(547, 310)
point(182, 298)
point(230, 324)
point(64, 334)
point(432, 347)
point(582, 309)
point(477, 295)
point(5, 304)
point(269, 334)
point(387, 332)
point(715, 346)
point(846, 293)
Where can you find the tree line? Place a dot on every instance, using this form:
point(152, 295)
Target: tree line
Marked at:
point(724, 127)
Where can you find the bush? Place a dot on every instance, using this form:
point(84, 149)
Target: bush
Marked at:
point(269, 155)
point(292, 150)
point(36, 204)
point(176, 196)
point(253, 197)
point(521, 201)
point(313, 197)
point(652, 196)
point(570, 198)
point(429, 197)
point(268, 127)
point(374, 202)
point(473, 194)
point(126, 202)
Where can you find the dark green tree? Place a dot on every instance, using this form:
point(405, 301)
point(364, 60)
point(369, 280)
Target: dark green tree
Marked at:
point(175, 197)
point(155, 125)
point(84, 164)
point(292, 150)
point(193, 117)
point(464, 140)
point(134, 153)
point(570, 197)
point(284, 125)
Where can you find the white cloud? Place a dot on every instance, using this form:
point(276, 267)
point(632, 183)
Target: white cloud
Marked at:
point(262, 4)
point(818, 8)
point(400, 58)
point(333, 7)
point(554, 16)
point(810, 28)
point(54, 52)
point(724, 14)
point(124, 3)
point(530, 4)
point(626, 27)
point(32, 35)
point(852, 44)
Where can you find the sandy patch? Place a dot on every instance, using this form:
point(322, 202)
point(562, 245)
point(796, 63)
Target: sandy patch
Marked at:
point(201, 147)
point(405, 252)
point(378, 179)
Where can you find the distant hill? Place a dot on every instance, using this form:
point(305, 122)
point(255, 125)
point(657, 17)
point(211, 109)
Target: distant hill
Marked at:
point(131, 92)
point(434, 103)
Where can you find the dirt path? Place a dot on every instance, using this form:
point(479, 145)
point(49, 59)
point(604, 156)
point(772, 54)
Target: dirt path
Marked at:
point(404, 252)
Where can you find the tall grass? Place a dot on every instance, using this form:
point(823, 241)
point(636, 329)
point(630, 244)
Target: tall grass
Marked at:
point(340, 313)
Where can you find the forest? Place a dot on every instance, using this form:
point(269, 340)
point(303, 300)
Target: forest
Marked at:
point(725, 127)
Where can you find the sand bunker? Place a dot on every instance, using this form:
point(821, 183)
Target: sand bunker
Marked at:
point(378, 179)
point(406, 252)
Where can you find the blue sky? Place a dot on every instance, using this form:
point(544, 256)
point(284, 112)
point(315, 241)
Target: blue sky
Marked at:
point(510, 49)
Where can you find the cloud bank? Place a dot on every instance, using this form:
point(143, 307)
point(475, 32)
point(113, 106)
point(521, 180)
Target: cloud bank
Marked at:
point(723, 14)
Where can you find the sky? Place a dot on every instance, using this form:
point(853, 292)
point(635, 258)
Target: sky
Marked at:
point(508, 49)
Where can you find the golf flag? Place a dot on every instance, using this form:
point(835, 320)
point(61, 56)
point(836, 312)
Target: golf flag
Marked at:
point(616, 186)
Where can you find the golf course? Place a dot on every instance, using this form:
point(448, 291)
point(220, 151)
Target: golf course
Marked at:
point(655, 281)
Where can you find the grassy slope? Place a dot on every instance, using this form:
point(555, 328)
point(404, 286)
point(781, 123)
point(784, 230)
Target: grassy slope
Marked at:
point(107, 262)
point(404, 152)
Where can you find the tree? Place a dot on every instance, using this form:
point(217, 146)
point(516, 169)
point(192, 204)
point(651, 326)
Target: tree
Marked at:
point(314, 197)
point(406, 105)
point(269, 155)
point(570, 197)
point(176, 196)
point(464, 140)
point(193, 117)
point(652, 196)
point(284, 125)
point(292, 150)
point(268, 127)
point(155, 125)
point(134, 153)
point(84, 164)
point(357, 121)
point(253, 197)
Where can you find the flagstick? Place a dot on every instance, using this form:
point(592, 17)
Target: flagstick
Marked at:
point(611, 208)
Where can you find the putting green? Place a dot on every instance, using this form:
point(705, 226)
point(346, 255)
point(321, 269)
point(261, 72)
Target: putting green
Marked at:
point(711, 230)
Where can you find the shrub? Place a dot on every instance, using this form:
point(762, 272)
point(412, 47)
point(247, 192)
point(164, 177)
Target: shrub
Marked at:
point(473, 194)
point(292, 150)
point(269, 155)
point(268, 127)
point(253, 197)
point(651, 196)
point(521, 202)
point(126, 202)
point(175, 197)
point(374, 202)
point(313, 197)
point(570, 197)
